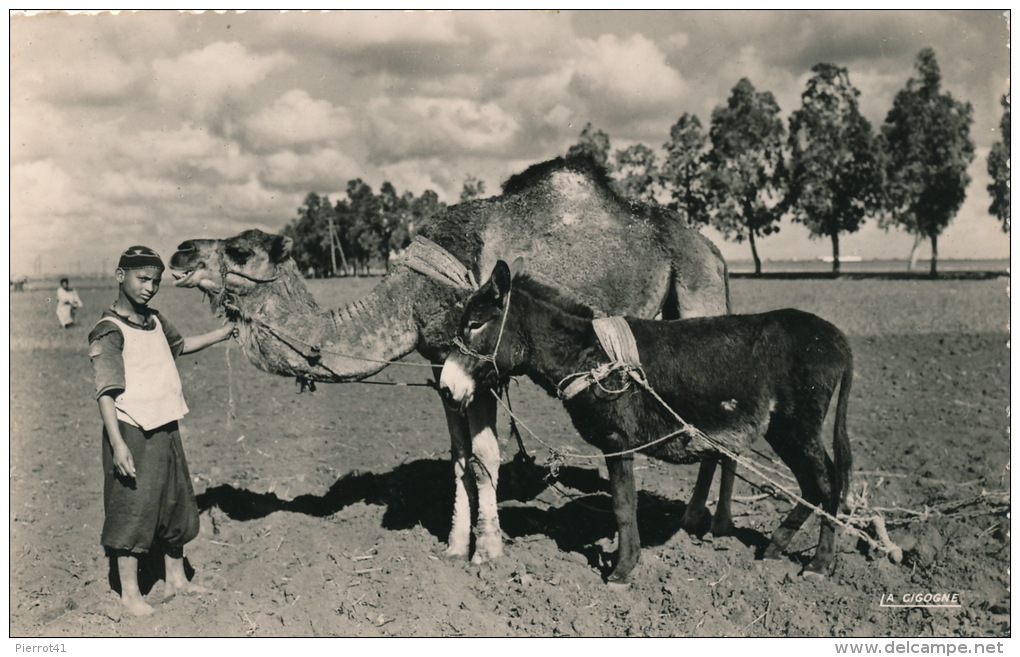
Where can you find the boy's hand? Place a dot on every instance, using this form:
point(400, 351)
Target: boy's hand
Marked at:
point(123, 462)
point(229, 331)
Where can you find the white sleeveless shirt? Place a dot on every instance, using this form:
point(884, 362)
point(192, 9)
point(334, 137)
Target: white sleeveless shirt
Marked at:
point(152, 394)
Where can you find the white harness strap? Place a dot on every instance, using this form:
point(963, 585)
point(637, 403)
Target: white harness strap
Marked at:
point(426, 257)
point(617, 340)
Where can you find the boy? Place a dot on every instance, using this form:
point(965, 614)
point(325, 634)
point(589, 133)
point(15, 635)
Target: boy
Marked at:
point(148, 498)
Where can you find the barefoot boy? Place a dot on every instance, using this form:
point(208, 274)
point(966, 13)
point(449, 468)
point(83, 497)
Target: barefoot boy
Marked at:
point(147, 493)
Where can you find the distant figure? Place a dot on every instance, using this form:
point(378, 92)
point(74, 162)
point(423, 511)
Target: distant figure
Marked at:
point(68, 303)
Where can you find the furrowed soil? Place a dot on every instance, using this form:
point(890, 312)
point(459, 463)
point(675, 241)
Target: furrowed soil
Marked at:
point(326, 513)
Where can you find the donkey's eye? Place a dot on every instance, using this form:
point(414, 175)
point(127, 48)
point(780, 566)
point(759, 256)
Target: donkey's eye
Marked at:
point(474, 325)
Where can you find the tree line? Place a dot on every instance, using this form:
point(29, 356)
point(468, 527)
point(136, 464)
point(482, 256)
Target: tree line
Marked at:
point(826, 168)
point(346, 237)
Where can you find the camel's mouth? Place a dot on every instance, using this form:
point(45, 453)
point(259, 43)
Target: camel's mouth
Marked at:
point(183, 277)
point(193, 277)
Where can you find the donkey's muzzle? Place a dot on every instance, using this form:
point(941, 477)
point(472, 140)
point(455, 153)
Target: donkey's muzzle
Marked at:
point(456, 386)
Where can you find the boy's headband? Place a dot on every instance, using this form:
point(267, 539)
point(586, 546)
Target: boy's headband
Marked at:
point(139, 257)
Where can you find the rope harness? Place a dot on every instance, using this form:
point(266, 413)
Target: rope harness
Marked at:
point(432, 260)
point(423, 256)
point(617, 340)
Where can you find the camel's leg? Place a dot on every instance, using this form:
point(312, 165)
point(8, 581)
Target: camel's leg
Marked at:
point(465, 497)
point(696, 511)
point(722, 521)
point(484, 465)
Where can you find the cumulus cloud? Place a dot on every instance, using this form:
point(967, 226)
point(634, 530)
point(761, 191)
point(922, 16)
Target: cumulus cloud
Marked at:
point(40, 191)
point(421, 127)
point(202, 81)
point(323, 171)
point(296, 119)
point(629, 73)
point(163, 123)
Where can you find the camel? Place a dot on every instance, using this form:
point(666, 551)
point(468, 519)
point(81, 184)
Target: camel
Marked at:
point(577, 236)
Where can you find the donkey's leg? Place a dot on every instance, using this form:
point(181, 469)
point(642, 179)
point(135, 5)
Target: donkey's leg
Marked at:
point(825, 482)
point(621, 484)
point(782, 436)
point(484, 465)
point(722, 521)
point(696, 513)
point(784, 533)
point(465, 497)
point(796, 442)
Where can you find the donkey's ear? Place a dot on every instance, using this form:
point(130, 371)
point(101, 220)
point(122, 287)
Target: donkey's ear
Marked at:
point(280, 247)
point(517, 266)
point(500, 279)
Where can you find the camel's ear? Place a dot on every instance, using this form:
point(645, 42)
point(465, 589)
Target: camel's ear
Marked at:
point(517, 266)
point(500, 280)
point(280, 248)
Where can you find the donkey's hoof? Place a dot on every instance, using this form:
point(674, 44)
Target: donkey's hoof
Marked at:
point(772, 552)
point(455, 554)
point(488, 548)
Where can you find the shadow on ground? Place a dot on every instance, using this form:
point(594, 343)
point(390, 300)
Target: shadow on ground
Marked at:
point(579, 525)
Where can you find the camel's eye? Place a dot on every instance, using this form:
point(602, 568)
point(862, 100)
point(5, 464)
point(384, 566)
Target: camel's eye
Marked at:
point(238, 254)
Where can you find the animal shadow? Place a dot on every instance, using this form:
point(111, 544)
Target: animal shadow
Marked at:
point(420, 493)
point(414, 493)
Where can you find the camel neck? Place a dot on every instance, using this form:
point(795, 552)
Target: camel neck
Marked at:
point(286, 332)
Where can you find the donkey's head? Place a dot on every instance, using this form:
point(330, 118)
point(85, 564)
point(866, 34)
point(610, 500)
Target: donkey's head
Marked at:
point(488, 342)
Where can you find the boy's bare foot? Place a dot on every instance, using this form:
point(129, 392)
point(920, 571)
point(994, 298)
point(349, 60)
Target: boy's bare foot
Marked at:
point(137, 606)
point(183, 588)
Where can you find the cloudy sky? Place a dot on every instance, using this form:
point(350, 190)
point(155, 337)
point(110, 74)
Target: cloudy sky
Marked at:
point(159, 126)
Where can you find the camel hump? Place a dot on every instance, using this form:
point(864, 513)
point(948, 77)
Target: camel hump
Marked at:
point(545, 172)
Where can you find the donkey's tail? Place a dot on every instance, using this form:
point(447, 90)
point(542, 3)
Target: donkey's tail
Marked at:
point(840, 440)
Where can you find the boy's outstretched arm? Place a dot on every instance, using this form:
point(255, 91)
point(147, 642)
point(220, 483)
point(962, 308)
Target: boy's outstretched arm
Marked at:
point(123, 462)
point(199, 342)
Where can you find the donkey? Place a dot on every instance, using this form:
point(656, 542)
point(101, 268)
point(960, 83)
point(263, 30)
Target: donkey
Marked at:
point(733, 377)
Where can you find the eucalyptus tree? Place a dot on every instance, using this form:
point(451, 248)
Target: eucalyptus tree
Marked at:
point(635, 174)
point(683, 173)
point(998, 169)
point(310, 231)
point(835, 168)
point(746, 167)
point(593, 143)
point(928, 149)
point(473, 188)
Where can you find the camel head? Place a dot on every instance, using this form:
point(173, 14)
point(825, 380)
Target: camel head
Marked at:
point(235, 265)
point(252, 258)
point(196, 263)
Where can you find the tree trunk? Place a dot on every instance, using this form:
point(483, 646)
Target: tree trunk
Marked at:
point(835, 254)
point(754, 253)
point(934, 256)
point(912, 261)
